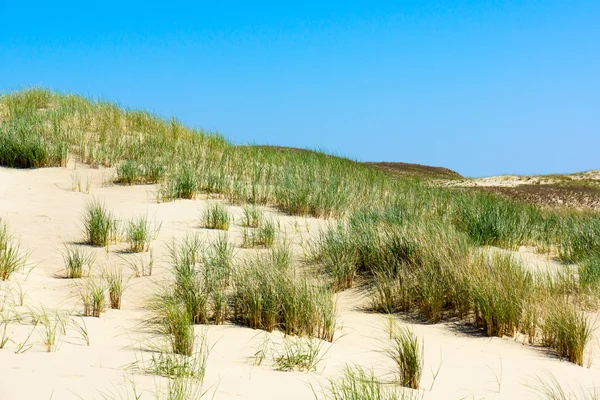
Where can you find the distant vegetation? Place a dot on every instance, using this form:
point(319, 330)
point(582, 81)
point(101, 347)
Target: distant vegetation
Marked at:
point(415, 246)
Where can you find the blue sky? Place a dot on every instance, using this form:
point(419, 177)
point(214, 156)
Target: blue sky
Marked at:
point(482, 87)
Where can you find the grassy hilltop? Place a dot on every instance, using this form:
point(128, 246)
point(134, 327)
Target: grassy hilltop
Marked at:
point(413, 244)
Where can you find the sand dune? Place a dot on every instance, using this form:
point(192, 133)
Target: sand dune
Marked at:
point(44, 212)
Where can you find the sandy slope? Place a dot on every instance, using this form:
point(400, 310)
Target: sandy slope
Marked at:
point(43, 212)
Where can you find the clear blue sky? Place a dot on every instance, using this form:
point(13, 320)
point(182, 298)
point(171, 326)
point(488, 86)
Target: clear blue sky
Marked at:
point(482, 87)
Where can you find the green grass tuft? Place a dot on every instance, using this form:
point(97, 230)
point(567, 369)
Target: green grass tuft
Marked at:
point(78, 261)
point(12, 259)
point(216, 216)
point(100, 225)
point(406, 350)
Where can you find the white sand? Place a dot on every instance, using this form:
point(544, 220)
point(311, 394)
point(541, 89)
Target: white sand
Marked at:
point(43, 212)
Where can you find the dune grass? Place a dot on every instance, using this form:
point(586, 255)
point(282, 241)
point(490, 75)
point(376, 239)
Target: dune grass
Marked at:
point(12, 258)
point(589, 273)
point(139, 266)
point(100, 225)
point(434, 266)
point(78, 261)
point(267, 298)
point(549, 388)
point(139, 234)
point(251, 217)
point(172, 319)
point(360, 384)
point(215, 216)
point(413, 244)
point(500, 287)
point(201, 277)
point(298, 355)
point(93, 296)
point(406, 351)
point(566, 329)
point(263, 236)
point(116, 284)
point(53, 328)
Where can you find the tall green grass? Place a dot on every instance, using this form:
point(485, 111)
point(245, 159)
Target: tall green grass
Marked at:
point(566, 329)
point(409, 267)
point(500, 288)
point(415, 261)
point(78, 261)
point(215, 216)
point(139, 234)
point(99, 224)
point(268, 298)
point(406, 351)
point(490, 221)
point(172, 320)
point(12, 258)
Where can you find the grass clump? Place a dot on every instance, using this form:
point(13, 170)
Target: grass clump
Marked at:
point(251, 217)
point(140, 234)
point(578, 236)
point(24, 145)
point(77, 259)
point(93, 297)
point(266, 298)
point(491, 221)
point(566, 329)
point(189, 288)
point(263, 236)
point(407, 353)
point(218, 262)
point(146, 170)
point(174, 366)
point(409, 267)
point(201, 277)
point(12, 259)
point(100, 225)
point(116, 284)
point(53, 329)
point(500, 288)
point(281, 257)
point(216, 216)
point(359, 384)
point(172, 320)
point(299, 355)
point(181, 183)
point(589, 274)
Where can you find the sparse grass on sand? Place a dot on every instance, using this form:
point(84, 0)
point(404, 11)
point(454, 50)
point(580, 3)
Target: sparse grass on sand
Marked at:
point(252, 217)
point(360, 384)
point(413, 244)
point(549, 388)
point(433, 267)
point(297, 354)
